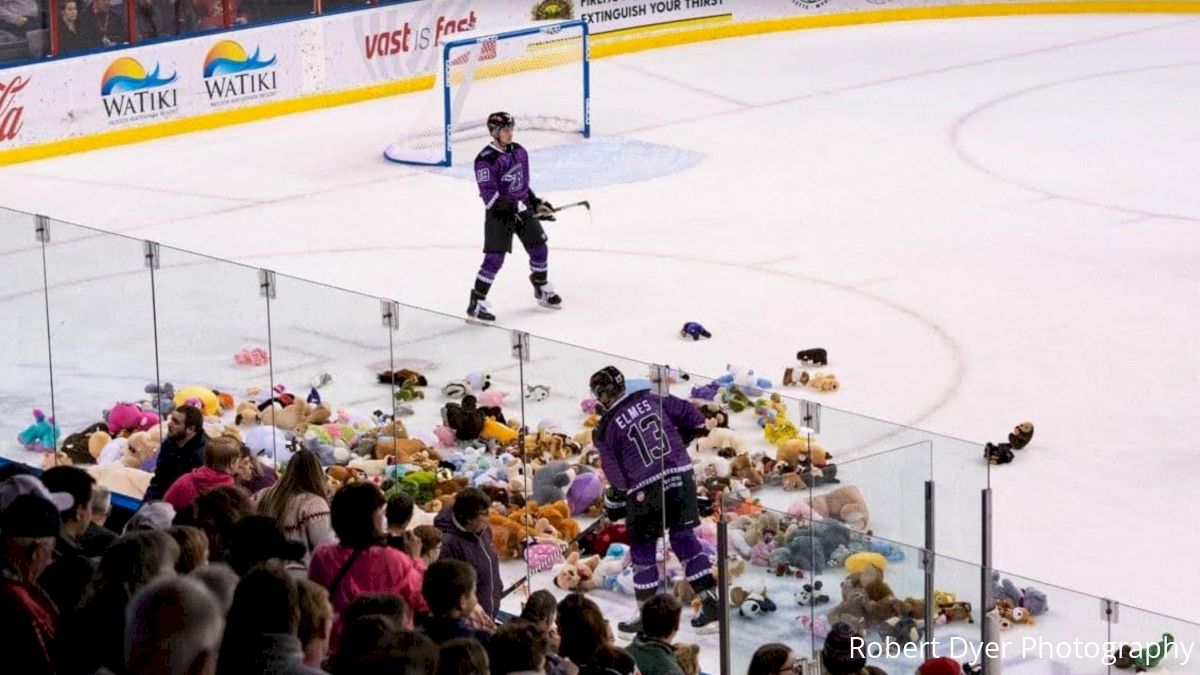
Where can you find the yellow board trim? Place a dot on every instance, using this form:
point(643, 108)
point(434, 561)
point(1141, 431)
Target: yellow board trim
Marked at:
point(610, 44)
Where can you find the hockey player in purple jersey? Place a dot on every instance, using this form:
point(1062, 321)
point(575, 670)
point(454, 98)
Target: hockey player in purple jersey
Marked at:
point(642, 439)
point(502, 173)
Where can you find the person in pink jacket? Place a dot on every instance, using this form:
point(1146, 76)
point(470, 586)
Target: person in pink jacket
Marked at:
point(362, 562)
point(220, 459)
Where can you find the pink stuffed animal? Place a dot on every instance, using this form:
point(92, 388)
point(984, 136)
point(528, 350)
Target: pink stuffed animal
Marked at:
point(801, 509)
point(588, 406)
point(760, 553)
point(819, 627)
point(446, 436)
point(492, 398)
point(129, 417)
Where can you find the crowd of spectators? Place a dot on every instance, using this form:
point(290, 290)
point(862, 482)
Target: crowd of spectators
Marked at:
point(235, 569)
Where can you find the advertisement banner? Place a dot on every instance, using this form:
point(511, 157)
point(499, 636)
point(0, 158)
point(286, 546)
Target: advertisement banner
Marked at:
point(397, 42)
point(35, 106)
point(609, 15)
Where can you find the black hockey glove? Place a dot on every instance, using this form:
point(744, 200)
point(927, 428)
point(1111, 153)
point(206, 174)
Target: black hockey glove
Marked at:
point(689, 435)
point(614, 504)
point(543, 209)
point(504, 208)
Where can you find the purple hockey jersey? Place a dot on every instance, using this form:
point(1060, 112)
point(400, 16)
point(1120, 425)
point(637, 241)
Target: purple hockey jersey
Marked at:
point(637, 446)
point(500, 173)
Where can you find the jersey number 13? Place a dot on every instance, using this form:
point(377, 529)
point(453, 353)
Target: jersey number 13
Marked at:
point(648, 436)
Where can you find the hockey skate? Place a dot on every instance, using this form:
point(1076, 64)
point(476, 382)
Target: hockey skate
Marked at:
point(479, 311)
point(544, 292)
point(708, 620)
point(632, 627)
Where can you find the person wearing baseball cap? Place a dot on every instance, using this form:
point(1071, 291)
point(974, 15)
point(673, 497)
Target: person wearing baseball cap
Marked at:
point(25, 484)
point(29, 525)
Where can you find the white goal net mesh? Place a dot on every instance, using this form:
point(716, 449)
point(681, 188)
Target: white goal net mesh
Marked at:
point(539, 75)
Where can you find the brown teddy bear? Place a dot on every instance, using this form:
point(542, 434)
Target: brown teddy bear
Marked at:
point(846, 504)
point(403, 449)
point(824, 382)
point(142, 446)
point(870, 580)
point(852, 609)
point(687, 655)
point(743, 467)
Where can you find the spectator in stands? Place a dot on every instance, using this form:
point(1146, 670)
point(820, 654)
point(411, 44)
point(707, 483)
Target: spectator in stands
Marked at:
point(220, 457)
point(431, 543)
point(216, 512)
point(183, 448)
point(300, 503)
point(164, 18)
point(67, 577)
point(467, 537)
point(93, 635)
point(399, 516)
point(97, 538)
point(221, 580)
point(837, 656)
point(361, 562)
point(391, 606)
point(151, 516)
point(29, 525)
point(258, 539)
point(316, 622)
point(210, 14)
point(193, 547)
point(651, 648)
point(361, 637)
point(587, 640)
point(773, 659)
point(71, 35)
point(391, 653)
point(104, 27)
point(20, 16)
point(463, 656)
point(541, 609)
point(517, 647)
point(173, 627)
point(252, 475)
point(449, 588)
point(260, 631)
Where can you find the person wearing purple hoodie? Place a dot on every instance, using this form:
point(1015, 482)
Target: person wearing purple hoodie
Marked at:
point(642, 439)
point(467, 537)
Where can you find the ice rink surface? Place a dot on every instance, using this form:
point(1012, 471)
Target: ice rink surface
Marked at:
point(983, 221)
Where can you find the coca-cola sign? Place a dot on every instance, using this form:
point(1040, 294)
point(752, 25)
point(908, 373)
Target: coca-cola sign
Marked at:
point(10, 112)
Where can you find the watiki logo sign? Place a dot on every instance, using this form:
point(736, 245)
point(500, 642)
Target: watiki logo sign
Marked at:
point(231, 75)
point(130, 93)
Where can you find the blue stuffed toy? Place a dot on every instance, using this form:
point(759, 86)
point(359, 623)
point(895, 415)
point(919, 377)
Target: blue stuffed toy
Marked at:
point(694, 330)
point(41, 436)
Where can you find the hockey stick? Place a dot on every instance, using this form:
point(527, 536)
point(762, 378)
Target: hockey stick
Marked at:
point(585, 204)
point(572, 205)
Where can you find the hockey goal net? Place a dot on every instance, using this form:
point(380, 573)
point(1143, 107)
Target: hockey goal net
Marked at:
point(538, 74)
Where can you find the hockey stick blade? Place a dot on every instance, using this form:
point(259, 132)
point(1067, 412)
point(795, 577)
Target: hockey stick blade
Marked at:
point(573, 205)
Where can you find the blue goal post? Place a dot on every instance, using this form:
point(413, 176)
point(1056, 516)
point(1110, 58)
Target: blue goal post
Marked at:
point(540, 74)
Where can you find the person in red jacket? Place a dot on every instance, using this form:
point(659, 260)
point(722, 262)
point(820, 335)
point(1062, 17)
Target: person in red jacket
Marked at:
point(220, 464)
point(28, 527)
point(362, 562)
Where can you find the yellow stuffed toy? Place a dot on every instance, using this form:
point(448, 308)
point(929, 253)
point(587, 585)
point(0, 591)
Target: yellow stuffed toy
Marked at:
point(493, 430)
point(209, 404)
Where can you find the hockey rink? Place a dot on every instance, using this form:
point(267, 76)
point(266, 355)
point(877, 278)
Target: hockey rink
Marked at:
point(983, 220)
